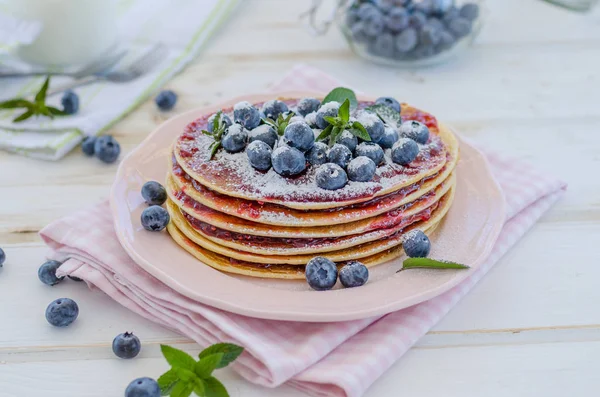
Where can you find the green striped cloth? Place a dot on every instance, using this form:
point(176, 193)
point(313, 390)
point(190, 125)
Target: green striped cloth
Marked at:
point(182, 25)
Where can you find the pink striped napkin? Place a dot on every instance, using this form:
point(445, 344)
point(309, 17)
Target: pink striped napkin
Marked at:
point(324, 359)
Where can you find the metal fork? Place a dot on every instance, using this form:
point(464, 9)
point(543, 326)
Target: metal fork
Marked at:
point(136, 69)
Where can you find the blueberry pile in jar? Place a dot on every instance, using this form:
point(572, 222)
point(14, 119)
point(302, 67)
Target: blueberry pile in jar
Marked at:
point(409, 30)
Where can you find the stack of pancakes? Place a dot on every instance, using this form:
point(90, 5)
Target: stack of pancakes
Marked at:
point(261, 224)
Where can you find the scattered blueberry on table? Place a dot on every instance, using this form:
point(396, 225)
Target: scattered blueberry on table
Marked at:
point(143, 387)
point(321, 273)
point(2, 257)
point(416, 244)
point(354, 274)
point(62, 312)
point(155, 218)
point(166, 100)
point(70, 102)
point(47, 273)
point(154, 193)
point(107, 149)
point(88, 144)
point(126, 345)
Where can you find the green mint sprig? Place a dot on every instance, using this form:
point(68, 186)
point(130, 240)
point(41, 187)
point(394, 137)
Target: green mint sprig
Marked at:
point(188, 376)
point(388, 115)
point(342, 122)
point(281, 123)
point(219, 128)
point(36, 108)
point(427, 263)
point(340, 95)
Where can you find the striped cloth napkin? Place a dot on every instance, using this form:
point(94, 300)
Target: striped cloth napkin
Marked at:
point(183, 26)
point(323, 359)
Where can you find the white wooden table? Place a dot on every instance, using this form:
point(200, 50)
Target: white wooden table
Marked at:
point(531, 88)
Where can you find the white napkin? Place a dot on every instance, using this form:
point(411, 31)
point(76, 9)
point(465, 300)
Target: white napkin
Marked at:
point(182, 25)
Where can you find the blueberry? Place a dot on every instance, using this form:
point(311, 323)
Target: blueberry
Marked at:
point(62, 312)
point(469, 11)
point(259, 155)
point(390, 136)
point(415, 130)
point(361, 169)
point(154, 193)
point(300, 136)
point(265, 133)
point(384, 5)
point(357, 31)
point(373, 23)
point(440, 7)
point(436, 23)
point(389, 102)
point(297, 119)
point(383, 45)
point(416, 244)
point(288, 161)
point(143, 387)
point(308, 105)
point(107, 149)
point(340, 155)
point(429, 35)
point(329, 109)
point(459, 27)
point(331, 176)
point(87, 146)
point(347, 139)
point(235, 139)
point(373, 125)
point(225, 120)
point(452, 13)
point(424, 6)
point(321, 273)
point(417, 19)
point(366, 9)
point(2, 257)
point(352, 16)
point(311, 119)
point(397, 20)
point(47, 273)
point(446, 40)
point(354, 274)
point(246, 114)
point(155, 218)
point(166, 100)
point(126, 345)
point(407, 40)
point(404, 151)
point(70, 102)
point(370, 150)
point(317, 155)
point(273, 108)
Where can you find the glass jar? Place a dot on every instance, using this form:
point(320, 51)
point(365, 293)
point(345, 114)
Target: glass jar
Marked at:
point(410, 32)
point(577, 5)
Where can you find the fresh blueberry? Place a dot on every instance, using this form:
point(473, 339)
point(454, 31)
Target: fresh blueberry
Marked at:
point(417, 19)
point(347, 139)
point(390, 136)
point(259, 155)
point(440, 7)
point(235, 139)
point(424, 6)
point(429, 35)
point(459, 27)
point(407, 40)
point(265, 133)
point(288, 161)
point(357, 31)
point(246, 114)
point(366, 9)
point(273, 108)
point(87, 146)
point(308, 105)
point(300, 136)
point(373, 125)
point(47, 273)
point(397, 20)
point(297, 119)
point(107, 149)
point(452, 13)
point(2, 257)
point(70, 102)
point(155, 218)
point(331, 176)
point(340, 155)
point(311, 119)
point(373, 23)
point(404, 151)
point(143, 387)
point(415, 130)
point(370, 150)
point(446, 40)
point(383, 45)
point(436, 23)
point(361, 169)
point(321, 273)
point(389, 102)
point(384, 5)
point(423, 51)
point(416, 244)
point(154, 193)
point(329, 109)
point(352, 16)
point(62, 312)
point(225, 120)
point(469, 11)
point(166, 100)
point(126, 345)
point(317, 155)
point(354, 274)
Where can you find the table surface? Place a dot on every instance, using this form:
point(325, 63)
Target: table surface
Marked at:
point(530, 88)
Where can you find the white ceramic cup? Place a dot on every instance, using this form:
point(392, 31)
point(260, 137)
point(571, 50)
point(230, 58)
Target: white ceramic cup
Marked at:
point(73, 32)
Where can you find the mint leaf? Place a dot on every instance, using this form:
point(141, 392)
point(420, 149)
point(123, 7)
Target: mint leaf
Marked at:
point(23, 116)
point(340, 94)
point(426, 263)
point(331, 120)
point(15, 104)
point(40, 97)
point(167, 382)
point(230, 353)
point(199, 388)
point(386, 114)
point(214, 388)
point(334, 135)
point(177, 358)
point(325, 133)
point(185, 374)
point(55, 111)
point(207, 364)
point(217, 121)
point(344, 111)
point(359, 130)
point(213, 148)
point(182, 389)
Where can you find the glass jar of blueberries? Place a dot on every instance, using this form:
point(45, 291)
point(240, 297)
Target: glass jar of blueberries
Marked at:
point(410, 32)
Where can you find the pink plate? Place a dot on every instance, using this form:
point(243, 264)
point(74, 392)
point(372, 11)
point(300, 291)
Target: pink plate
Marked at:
point(467, 235)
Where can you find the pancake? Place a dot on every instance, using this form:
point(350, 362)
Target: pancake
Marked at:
point(210, 217)
point(231, 174)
